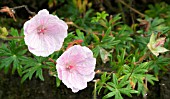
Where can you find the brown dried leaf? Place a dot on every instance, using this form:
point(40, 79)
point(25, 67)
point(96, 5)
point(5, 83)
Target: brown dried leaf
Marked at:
point(6, 9)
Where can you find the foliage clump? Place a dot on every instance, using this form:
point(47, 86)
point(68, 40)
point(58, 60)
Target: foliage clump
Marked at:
point(125, 61)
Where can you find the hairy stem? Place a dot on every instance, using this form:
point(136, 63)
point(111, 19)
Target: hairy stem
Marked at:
point(51, 60)
point(73, 24)
point(23, 6)
point(123, 14)
point(15, 37)
point(132, 71)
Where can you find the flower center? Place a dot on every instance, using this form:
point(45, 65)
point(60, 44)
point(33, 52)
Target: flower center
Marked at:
point(70, 67)
point(41, 29)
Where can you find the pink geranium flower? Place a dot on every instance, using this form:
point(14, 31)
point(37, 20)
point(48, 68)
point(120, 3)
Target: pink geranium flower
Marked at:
point(75, 67)
point(44, 33)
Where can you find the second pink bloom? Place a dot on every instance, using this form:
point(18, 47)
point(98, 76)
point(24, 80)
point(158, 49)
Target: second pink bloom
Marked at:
point(75, 67)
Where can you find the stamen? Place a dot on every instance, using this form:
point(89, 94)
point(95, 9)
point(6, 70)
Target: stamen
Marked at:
point(70, 67)
point(41, 29)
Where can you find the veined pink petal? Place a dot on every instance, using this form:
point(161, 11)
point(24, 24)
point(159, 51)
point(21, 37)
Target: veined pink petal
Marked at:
point(29, 28)
point(43, 12)
point(77, 81)
point(89, 77)
point(37, 45)
point(75, 90)
point(86, 66)
point(65, 76)
point(44, 33)
point(60, 73)
point(70, 56)
point(75, 67)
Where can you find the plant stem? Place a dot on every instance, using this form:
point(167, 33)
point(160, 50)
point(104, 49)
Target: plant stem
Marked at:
point(140, 60)
point(146, 85)
point(136, 11)
point(131, 14)
point(95, 84)
point(132, 71)
point(123, 15)
point(15, 37)
point(102, 72)
point(51, 60)
point(23, 6)
point(73, 24)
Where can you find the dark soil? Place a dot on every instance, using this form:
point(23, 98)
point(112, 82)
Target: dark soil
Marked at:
point(165, 86)
point(11, 88)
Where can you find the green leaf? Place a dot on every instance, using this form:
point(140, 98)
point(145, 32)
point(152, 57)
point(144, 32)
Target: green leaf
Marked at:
point(5, 63)
point(104, 77)
point(141, 89)
point(100, 16)
point(39, 74)
point(4, 51)
point(104, 15)
point(19, 70)
point(150, 78)
point(110, 94)
point(58, 82)
point(33, 66)
point(95, 38)
point(80, 34)
point(24, 77)
point(157, 21)
point(124, 81)
point(102, 81)
point(113, 85)
point(15, 64)
point(114, 19)
point(110, 87)
point(118, 96)
point(31, 71)
point(96, 51)
point(14, 32)
point(13, 55)
point(125, 91)
point(109, 42)
point(114, 79)
point(107, 33)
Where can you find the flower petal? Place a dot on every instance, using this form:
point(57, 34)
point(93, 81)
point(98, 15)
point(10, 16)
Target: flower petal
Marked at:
point(43, 12)
point(77, 81)
point(65, 76)
point(59, 72)
point(29, 27)
point(89, 77)
point(86, 66)
point(82, 67)
point(44, 33)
